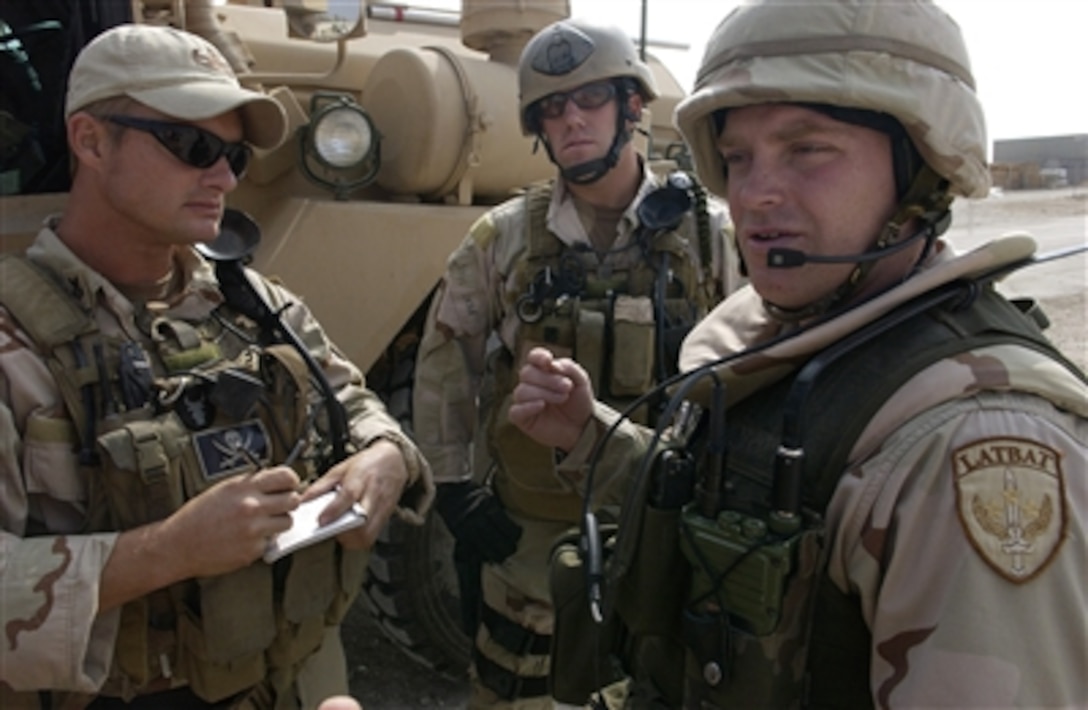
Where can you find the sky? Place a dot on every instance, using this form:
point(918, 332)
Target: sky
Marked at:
point(1028, 56)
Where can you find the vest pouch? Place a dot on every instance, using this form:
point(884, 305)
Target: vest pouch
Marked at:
point(653, 592)
point(141, 478)
point(526, 479)
point(311, 582)
point(730, 661)
point(632, 347)
point(589, 344)
point(237, 612)
point(222, 651)
point(582, 651)
point(352, 566)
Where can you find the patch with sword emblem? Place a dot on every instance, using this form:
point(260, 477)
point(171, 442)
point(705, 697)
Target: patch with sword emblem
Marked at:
point(1010, 497)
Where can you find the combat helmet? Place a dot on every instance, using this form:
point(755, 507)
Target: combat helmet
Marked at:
point(901, 61)
point(571, 53)
point(905, 58)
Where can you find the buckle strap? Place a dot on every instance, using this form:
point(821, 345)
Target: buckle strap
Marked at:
point(504, 682)
point(182, 698)
point(515, 638)
point(152, 463)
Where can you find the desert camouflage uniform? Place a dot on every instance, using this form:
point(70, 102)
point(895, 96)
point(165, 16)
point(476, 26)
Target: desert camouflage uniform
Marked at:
point(959, 614)
point(51, 569)
point(476, 301)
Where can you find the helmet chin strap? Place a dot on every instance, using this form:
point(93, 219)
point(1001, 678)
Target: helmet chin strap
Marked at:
point(593, 170)
point(928, 200)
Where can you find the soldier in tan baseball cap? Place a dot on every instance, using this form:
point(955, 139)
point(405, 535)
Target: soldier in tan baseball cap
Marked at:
point(141, 485)
point(174, 72)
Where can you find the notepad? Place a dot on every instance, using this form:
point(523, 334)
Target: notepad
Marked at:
point(305, 531)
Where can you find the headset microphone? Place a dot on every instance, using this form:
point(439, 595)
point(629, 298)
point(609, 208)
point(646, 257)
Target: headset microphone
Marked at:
point(791, 258)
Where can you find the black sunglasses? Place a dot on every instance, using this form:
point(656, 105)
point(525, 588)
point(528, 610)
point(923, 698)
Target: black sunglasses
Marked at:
point(587, 97)
point(189, 144)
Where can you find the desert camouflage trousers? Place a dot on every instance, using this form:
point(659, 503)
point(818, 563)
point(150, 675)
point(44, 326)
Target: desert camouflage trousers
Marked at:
point(510, 651)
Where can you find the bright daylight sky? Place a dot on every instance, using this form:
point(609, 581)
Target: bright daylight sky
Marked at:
point(1028, 56)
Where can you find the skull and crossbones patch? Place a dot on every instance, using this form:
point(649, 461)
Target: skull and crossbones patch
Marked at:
point(229, 450)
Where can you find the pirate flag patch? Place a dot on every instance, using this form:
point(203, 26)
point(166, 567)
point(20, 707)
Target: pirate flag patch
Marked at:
point(233, 449)
point(1010, 498)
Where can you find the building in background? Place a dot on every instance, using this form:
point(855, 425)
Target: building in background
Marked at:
point(1037, 163)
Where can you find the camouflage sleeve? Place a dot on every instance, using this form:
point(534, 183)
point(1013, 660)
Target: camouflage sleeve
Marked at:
point(622, 446)
point(964, 537)
point(450, 364)
point(368, 419)
point(54, 636)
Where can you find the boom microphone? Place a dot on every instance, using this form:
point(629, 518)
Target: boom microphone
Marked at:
point(789, 258)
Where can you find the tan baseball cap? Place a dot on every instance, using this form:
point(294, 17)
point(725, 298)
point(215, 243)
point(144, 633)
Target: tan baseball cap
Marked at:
point(174, 72)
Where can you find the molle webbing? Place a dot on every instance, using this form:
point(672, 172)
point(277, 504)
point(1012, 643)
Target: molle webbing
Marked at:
point(545, 248)
point(702, 231)
point(49, 314)
point(227, 634)
point(616, 322)
point(849, 391)
point(843, 399)
point(54, 318)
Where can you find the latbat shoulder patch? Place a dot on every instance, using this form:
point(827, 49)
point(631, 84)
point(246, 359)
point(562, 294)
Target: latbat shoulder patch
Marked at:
point(1010, 497)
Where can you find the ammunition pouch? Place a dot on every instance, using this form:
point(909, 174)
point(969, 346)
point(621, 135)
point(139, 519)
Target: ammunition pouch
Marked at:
point(583, 653)
point(655, 588)
point(642, 638)
point(614, 339)
point(229, 633)
point(147, 445)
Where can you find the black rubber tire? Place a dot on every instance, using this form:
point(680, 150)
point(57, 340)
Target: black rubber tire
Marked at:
point(411, 592)
point(411, 586)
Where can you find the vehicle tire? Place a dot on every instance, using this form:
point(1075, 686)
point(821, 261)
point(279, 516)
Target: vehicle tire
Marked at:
point(411, 592)
point(411, 587)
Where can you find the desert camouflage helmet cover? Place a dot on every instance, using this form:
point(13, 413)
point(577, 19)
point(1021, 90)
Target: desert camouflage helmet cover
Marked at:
point(569, 53)
point(906, 58)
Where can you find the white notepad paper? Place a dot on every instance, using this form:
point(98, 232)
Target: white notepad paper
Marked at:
point(305, 531)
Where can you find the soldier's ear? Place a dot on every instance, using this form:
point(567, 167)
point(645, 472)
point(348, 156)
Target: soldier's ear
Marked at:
point(86, 137)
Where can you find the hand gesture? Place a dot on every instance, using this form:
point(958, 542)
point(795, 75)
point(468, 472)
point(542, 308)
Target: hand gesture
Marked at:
point(553, 400)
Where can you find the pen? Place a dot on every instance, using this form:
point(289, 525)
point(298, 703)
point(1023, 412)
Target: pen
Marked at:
point(291, 455)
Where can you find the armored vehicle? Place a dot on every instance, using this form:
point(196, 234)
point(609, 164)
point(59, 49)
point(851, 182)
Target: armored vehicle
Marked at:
point(404, 129)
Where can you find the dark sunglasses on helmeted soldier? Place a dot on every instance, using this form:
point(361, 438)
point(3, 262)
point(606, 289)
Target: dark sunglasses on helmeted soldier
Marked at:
point(191, 145)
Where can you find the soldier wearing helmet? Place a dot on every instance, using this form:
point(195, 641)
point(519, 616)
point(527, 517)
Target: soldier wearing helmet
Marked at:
point(892, 482)
point(571, 265)
point(589, 66)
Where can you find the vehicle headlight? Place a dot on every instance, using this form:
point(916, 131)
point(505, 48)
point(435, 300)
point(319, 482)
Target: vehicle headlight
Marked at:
point(343, 136)
point(341, 148)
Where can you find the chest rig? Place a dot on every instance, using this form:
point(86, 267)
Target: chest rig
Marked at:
point(161, 420)
point(762, 623)
point(622, 317)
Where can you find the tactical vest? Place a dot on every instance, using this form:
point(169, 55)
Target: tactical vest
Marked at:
point(155, 429)
point(747, 616)
point(624, 326)
point(778, 592)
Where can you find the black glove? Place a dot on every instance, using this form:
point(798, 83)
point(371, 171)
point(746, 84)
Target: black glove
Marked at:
point(477, 521)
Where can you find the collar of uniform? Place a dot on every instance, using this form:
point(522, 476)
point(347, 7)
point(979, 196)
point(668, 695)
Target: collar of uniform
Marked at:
point(563, 220)
point(198, 295)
